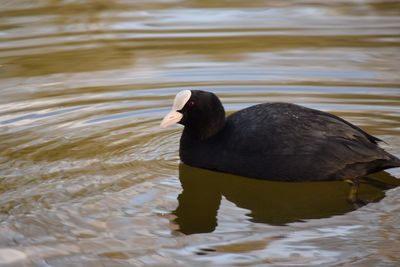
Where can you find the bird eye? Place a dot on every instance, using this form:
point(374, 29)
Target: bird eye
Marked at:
point(191, 103)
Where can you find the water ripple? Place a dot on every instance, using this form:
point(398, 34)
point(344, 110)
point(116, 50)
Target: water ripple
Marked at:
point(88, 177)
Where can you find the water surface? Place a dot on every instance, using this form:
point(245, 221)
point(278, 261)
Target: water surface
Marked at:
point(88, 178)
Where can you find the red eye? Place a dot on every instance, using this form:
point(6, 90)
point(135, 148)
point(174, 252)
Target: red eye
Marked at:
point(191, 103)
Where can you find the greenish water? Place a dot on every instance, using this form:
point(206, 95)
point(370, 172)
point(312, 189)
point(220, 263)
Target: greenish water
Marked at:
point(87, 177)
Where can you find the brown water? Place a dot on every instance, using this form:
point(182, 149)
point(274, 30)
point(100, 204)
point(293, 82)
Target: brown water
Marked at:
point(87, 178)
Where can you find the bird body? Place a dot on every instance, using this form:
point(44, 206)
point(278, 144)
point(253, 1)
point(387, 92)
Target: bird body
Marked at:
point(276, 141)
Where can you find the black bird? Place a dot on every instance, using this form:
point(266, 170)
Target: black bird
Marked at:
point(274, 141)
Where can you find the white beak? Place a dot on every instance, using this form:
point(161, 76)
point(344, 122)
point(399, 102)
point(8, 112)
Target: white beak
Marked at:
point(179, 102)
point(171, 118)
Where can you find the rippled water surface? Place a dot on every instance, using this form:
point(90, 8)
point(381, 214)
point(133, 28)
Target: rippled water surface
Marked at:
point(87, 177)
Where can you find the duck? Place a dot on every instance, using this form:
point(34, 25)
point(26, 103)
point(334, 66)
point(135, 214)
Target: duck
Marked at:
point(274, 141)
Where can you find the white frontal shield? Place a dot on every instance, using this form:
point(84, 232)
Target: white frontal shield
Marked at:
point(174, 116)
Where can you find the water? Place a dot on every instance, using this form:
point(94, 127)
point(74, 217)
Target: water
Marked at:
point(87, 177)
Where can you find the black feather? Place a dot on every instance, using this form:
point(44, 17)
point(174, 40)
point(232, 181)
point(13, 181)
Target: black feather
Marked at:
point(278, 141)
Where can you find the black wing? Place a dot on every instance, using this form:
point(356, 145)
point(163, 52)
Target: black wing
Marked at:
point(303, 143)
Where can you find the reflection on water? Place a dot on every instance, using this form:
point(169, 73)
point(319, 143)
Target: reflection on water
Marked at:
point(272, 202)
point(87, 178)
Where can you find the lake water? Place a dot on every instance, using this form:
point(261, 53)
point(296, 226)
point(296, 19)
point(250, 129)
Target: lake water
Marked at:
point(87, 177)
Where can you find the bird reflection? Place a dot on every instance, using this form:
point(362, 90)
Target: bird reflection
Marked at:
point(271, 202)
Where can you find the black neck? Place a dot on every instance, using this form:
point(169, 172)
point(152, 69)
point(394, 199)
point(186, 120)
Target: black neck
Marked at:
point(208, 126)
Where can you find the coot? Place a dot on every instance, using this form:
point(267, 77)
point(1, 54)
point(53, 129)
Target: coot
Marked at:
point(275, 141)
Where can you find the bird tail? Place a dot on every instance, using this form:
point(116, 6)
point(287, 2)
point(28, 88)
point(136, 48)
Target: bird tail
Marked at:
point(393, 162)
